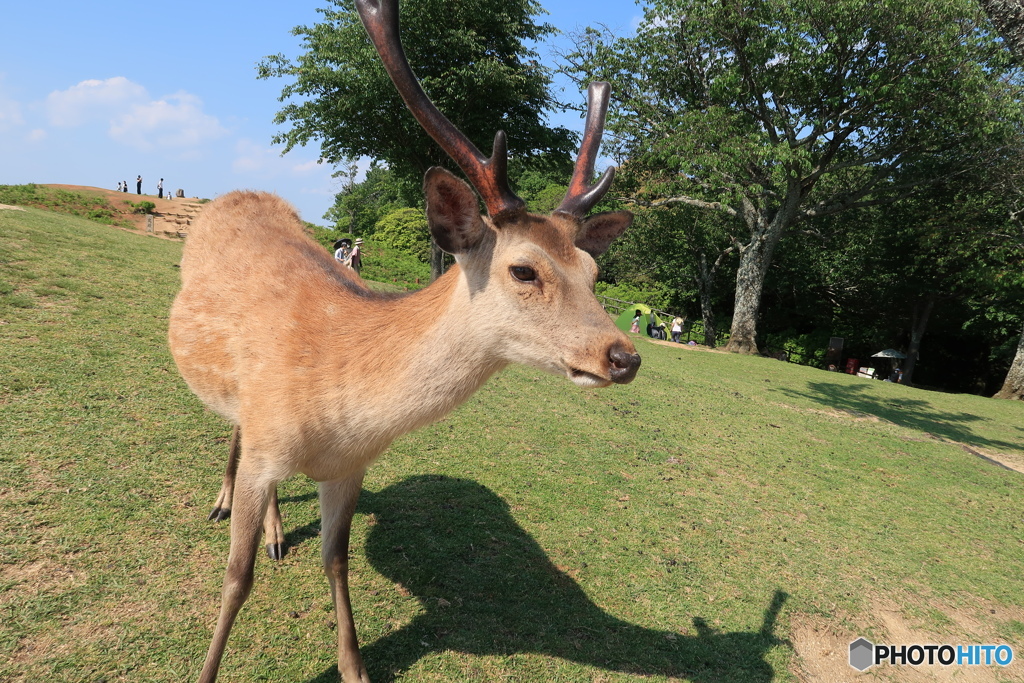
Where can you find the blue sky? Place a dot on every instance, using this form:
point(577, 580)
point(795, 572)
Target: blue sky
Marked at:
point(94, 93)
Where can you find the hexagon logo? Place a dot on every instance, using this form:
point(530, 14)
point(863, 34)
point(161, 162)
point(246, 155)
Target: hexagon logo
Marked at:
point(862, 654)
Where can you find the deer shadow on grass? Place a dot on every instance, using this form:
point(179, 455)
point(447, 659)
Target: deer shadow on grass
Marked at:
point(487, 588)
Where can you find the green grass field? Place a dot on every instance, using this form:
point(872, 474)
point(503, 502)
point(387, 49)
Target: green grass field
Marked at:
point(697, 524)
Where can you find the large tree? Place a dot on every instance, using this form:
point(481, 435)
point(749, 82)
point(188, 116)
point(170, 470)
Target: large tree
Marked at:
point(1009, 252)
point(778, 112)
point(1008, 18)
point(472, 59)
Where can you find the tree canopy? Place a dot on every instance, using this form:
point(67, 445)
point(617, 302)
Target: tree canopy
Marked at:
point(359, 206)
point(471, 57)
point(780, 112)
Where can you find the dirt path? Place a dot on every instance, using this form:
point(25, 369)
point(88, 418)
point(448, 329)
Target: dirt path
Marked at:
point(166, 209)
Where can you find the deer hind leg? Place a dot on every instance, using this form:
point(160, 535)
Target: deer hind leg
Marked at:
point(337, 505)
point(222, 507)
point(273, 529)
point(251, 497)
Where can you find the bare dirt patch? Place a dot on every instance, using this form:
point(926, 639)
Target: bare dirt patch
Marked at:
point(822, 645)
point(125, 213)
point(674, 345)
point(837, 413)
point(1011, 461)
point(34, 578)
point(10, 208)
point(71, 637)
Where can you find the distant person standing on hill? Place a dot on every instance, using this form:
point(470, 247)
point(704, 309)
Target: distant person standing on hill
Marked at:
point(355, 259)
point(118, 185)
point(160, 189)
point(138, 185)
point(124, 186)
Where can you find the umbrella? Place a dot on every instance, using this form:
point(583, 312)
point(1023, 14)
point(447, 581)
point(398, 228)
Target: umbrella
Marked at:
point(889, 353)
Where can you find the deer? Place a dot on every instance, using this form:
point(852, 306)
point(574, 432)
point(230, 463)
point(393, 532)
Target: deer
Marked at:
point(318, 374)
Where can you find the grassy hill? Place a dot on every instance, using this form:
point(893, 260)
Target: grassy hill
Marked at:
point(722, 518)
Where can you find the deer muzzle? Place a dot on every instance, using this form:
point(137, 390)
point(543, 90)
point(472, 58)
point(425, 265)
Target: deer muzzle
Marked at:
point(624, 365)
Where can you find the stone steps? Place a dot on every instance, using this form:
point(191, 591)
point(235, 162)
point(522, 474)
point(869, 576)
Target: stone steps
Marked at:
point(176, 223)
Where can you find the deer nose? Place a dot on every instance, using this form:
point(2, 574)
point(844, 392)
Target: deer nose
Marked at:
point(624, 365)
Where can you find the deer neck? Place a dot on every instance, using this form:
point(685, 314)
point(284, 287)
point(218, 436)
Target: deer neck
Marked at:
point(428, 352)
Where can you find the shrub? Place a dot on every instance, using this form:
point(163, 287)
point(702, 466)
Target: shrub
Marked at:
point(100, 215)
point(383, 264)
point(808, 348)
point(405, 231)
point(20, 195)
point(322, 235)
point(143, 207)
point(380, 263)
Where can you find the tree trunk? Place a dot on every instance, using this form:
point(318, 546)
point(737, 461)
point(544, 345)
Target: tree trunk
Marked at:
point(1013, 386)
point(436, 260)
point(705, 282)
point(749, 285)
point(755, 259)
point(918, 325)
point(708, 318)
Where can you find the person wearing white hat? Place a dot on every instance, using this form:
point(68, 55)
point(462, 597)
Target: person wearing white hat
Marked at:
point(355, 259)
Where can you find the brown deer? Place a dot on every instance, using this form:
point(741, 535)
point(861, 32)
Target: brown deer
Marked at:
point(319, 374)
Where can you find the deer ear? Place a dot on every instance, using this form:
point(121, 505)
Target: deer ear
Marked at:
point(453, 213)
point(598, 232)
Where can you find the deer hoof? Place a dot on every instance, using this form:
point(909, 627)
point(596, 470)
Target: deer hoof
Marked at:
point(275, 551)
point(219, 514)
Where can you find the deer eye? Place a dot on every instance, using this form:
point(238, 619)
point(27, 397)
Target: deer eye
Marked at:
point(523, 273)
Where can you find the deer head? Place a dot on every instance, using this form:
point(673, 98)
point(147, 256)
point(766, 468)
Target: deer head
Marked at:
point(527, 266)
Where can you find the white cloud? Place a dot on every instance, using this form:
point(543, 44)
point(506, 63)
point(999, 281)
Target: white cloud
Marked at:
point(306, 167)
point(133, 116)
point(36, 135)
point(10, 114)
point(253, 158)
point(10, 110)
point(175, 121)
point(325, 189)
point(93, 100)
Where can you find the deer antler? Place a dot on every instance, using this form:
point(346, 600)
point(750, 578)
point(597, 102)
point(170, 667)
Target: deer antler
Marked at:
point(488, 175)
point(582, 196)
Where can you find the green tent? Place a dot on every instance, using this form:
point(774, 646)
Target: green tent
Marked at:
point(625, 319)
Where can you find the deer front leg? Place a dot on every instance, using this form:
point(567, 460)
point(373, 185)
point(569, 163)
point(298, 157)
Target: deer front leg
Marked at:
point(337, 505)
point(250, 503)
point(273, 529)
